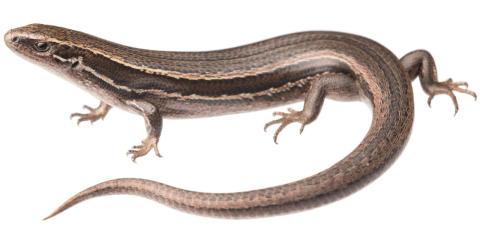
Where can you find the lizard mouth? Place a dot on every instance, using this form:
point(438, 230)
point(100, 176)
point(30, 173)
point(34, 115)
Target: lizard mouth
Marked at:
point(10, 39)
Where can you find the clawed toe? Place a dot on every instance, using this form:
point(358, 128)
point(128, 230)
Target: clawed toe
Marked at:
point(447, 88)
point(93, 115)
point(144, 148)
point(88, 108)
point(286, 118)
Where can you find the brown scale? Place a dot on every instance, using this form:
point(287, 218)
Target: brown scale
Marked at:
point(309, 66)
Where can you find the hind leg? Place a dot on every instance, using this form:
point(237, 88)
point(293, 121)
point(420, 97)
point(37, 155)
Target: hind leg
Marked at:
point(420, 63)
point(337, 85)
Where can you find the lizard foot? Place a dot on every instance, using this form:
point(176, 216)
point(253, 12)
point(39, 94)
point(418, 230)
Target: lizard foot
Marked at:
point(93, 115)
point(447, 88)
point(287, 118)
point(144, 148)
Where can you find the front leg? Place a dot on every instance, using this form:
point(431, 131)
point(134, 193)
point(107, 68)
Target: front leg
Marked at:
point(420, 63)
point(94, 113)
point(338, 85)
point(153, 124)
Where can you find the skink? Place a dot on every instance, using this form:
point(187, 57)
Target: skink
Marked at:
point(308, 67)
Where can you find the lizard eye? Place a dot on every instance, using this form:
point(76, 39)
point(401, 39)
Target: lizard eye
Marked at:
point(41, 46)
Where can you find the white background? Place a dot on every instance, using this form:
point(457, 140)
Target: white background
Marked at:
point(429, 194)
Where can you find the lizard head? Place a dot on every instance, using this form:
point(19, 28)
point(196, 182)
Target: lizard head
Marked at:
point(48, 46)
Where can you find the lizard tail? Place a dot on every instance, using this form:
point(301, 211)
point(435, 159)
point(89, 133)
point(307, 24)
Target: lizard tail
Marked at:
point(382, 80)
point(374, 154)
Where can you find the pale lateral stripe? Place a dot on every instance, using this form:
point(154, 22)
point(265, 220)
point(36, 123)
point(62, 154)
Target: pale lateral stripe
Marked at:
point(242, 96)
point(92, 71)
point(203, 76)
point(162, 93)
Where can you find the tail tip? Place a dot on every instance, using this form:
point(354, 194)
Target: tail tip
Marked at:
point(51, 215)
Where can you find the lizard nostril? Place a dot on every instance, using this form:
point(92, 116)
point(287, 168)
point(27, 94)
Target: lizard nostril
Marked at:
point(15, 39)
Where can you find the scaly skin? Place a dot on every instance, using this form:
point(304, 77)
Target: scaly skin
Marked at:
point(307, 66)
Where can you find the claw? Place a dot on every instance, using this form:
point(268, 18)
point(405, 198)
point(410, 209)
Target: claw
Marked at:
point(454, 100)
point(277, 132)
point(447, 87)
point(286, 119)
point(271, 123)
point(464, 84)
point(302, 127)
point(93, 115)
point(157, 153)
point(144, 148)
point(429, 101)
point(279, 113)
point(466, 91)
point(88, 108)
